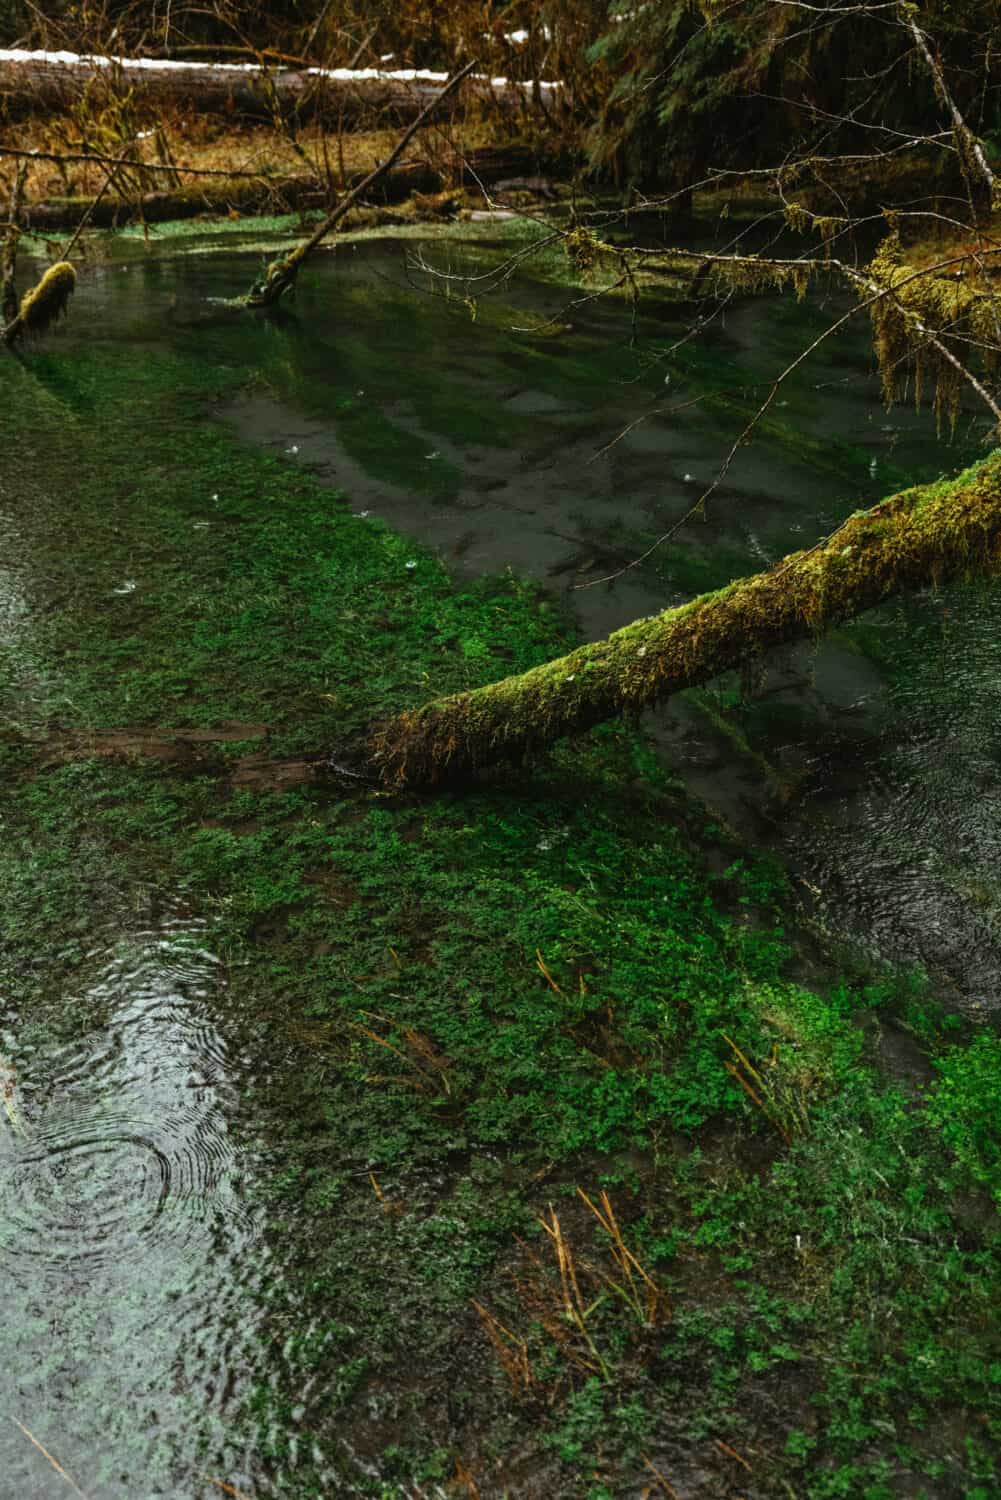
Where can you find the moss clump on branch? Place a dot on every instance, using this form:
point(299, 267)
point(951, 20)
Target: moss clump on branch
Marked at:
point(924, 535)
point(46, 302)
point(277, 282)
point(919, 305)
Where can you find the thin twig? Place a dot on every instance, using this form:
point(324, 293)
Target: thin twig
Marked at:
point(54, 1462)
point(126, 161)
point(877, 293)
point(964, 135)
point(8, 291)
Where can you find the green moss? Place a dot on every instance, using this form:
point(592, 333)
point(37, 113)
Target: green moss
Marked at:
point(915, 305)
point(46, 302)
point(903, 543)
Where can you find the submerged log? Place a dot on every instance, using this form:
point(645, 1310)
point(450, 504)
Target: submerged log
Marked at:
point(44, 80)
point(926, 535)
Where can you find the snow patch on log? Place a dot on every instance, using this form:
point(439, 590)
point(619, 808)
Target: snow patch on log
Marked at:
point(419, 76)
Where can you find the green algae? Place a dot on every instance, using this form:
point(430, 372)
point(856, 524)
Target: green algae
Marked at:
point(260, 225)
point(824, 1270)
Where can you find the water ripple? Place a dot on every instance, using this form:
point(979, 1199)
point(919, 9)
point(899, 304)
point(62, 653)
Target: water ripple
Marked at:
point(125, 1151)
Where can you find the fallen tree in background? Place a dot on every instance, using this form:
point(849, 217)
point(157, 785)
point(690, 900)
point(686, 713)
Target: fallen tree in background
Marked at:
point(926, 535)
point(54, 80)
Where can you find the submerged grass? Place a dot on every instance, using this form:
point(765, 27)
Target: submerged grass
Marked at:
point(530, 993)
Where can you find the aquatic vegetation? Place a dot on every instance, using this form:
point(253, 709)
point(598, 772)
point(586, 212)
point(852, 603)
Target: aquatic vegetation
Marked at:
point(456, 1020)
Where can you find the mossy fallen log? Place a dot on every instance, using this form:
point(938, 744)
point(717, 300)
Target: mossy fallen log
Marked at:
point(269, 193)
point(922, 536)
point(44, 304)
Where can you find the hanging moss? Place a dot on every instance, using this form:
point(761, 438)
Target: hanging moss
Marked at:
point(921, 536)
point(948, 307)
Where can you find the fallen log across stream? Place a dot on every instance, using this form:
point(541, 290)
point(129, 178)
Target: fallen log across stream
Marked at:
point(923, 536)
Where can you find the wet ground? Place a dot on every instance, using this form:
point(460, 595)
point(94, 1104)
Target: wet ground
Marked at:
point(162, 1328)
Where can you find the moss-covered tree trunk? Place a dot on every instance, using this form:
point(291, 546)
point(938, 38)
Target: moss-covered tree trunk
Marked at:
point(921, 536)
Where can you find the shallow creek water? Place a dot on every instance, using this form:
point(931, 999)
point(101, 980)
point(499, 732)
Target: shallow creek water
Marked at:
point(122, 1234)
point(870, 762)
point(867, 760)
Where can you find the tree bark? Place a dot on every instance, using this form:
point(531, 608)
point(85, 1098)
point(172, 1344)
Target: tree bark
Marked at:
point(922, 536)
point(43, 80)
point(8, 259)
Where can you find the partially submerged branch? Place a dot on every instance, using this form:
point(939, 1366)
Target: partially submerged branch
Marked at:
point(921, 536)
point(281, 274)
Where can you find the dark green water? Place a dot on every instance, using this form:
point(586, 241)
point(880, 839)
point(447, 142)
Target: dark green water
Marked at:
point(151, 1300)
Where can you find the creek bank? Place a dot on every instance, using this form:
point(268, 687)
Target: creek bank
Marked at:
point(419, 191)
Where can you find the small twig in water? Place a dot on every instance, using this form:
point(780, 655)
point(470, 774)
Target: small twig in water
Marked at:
point(229, 1489)
point(54, 1462)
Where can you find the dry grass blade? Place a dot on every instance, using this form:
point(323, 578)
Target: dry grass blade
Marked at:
point(464, 1476)
point(541, 965)
point(665, 1484)
point(644, 1299)
point(511, 1351)
point(424, 1059)
point(575, 1309)
point(734, 1454)
point(380, 1041)
point(228, 1489)
point(54, 1462)
point(734, 1069)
